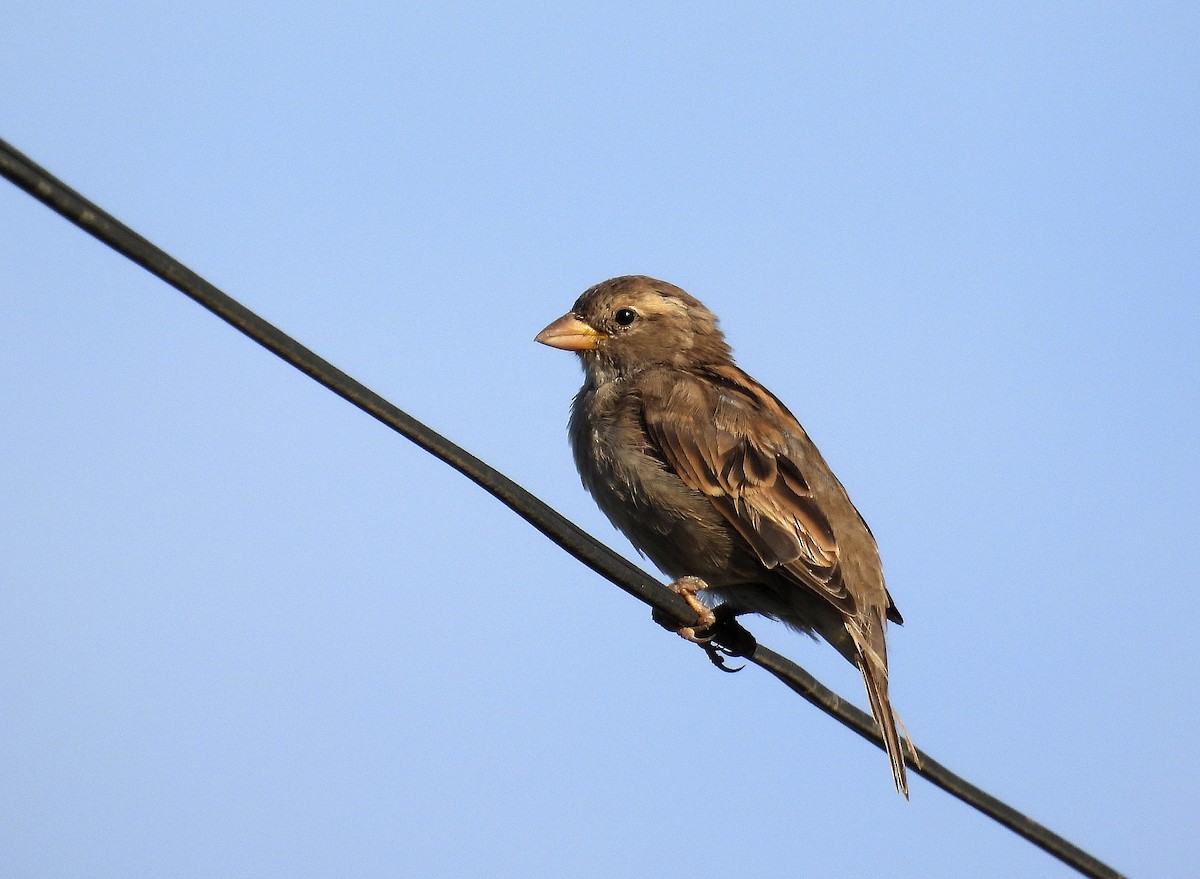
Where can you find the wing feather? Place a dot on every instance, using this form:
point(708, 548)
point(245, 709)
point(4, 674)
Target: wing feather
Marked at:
point(729, 439)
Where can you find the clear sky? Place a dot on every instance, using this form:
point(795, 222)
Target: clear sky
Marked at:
point(245, 630)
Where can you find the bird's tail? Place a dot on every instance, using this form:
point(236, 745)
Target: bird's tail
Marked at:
point(871, 659)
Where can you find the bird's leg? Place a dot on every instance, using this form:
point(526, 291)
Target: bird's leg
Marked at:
point(686, 588)
point(734, 639)
point(720, 625)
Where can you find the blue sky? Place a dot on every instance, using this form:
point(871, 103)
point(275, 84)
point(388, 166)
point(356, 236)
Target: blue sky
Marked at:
point(244, 628)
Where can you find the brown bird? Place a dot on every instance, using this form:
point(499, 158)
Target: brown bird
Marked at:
point(712, 478)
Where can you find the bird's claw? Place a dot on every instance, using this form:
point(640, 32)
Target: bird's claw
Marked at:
point(715, 652)
point(716, 655)
point(709, 627)
point(688, 633)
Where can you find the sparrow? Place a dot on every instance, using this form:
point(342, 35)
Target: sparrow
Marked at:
point(711, 477)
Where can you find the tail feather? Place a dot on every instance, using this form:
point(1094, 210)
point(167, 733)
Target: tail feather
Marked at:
point(871, 660)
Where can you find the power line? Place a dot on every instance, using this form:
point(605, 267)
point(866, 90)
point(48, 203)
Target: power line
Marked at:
point(46, 188)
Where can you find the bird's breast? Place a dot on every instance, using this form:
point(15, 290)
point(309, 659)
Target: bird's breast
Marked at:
point(675, 526)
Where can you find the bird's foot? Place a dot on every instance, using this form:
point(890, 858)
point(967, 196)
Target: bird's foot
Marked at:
point(686, 588)
point(717, 633)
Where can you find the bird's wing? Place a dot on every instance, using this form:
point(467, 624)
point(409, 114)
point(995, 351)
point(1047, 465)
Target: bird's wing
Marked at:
point(727, 437)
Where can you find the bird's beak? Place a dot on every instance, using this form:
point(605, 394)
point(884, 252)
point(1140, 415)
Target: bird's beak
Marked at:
point(570, 334)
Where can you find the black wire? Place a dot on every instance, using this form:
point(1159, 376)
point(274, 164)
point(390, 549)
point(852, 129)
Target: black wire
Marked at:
point(52, 192)
point(862, 723)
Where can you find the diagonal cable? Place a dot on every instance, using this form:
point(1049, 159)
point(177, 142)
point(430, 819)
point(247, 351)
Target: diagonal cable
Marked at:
point(52, 192)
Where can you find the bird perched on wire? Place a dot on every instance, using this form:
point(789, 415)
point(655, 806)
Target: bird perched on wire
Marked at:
point(712, 478)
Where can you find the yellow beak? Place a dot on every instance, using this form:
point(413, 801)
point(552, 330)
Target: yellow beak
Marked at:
point(570, 334)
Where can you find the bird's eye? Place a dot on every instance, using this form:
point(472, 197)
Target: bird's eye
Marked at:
point(625, 316)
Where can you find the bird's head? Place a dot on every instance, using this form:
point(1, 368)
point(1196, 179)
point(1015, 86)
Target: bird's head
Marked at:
point(630, 323)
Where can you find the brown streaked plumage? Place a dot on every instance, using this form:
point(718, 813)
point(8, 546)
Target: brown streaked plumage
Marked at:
point(710, 476)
